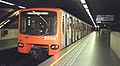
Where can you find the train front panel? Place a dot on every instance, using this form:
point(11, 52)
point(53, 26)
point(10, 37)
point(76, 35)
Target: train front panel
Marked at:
point(39, 28)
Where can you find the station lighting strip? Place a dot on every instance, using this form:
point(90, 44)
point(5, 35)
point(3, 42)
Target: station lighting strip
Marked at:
point(82, 1)
point(16, 13)
point(8, 3)
point(6, 21)
point(3, 23)
point(88, 11)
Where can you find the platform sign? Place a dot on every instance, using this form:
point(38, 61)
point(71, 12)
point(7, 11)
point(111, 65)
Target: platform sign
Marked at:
point(105, 18)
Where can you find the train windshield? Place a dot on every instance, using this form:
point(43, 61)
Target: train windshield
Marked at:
point(38, 22)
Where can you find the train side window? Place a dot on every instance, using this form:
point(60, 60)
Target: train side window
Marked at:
point(63, 24)
point(23, 25)
point(70, 22)
point(77, 24)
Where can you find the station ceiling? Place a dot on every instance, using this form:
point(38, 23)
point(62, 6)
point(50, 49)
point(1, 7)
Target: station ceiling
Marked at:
point(97, 7)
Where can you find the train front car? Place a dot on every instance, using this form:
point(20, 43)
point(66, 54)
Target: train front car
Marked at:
point(39, 28)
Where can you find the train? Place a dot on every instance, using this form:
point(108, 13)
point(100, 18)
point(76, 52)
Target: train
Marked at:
point(48, 29)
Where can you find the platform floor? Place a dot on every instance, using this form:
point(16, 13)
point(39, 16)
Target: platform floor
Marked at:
point(8, 44)
point(92, 50)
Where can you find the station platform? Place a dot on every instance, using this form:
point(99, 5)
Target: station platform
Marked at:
point(92, 50)
point(8, 44)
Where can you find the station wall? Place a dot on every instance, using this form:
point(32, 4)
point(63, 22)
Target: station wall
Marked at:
point(115, 42)
point(8, 34)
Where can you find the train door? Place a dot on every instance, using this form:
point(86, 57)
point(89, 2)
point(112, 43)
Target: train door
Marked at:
point(69, 30)
point(83, 30)
point(73, 31)
point(66, 27)
point(79, 29)
point(87, 28)
point(63, 30)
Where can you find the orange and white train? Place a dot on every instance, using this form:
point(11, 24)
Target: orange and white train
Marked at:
point(51, 29)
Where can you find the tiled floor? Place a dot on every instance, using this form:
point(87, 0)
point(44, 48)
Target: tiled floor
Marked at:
point(95, 51)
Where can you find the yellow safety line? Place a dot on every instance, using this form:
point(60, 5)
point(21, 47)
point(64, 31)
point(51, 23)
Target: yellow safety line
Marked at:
point(64, 55)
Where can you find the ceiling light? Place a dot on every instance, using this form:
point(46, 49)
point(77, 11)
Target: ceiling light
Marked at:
point(87, 10)
point(85, 6)
point(83, 1)
point(21, 7)
point(6, 2)
point(14, 14)
point(3, 23)
point(17, 12)
point(88, 13)
point(6, 21)
point(1, 26)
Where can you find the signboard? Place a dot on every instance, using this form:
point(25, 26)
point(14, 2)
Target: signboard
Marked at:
point(105, 18)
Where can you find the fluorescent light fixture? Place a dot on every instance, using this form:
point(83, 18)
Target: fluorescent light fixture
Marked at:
point(82, 1)
point(92, 19)
point(5, 22)
point(85, 6)
point(17, 13)
point(2, 22)
point(88, 13)
point(14, 14)
point(10, 10)
point(87, 10)
point(7, 3)
point(22, 7)
point(1, 26)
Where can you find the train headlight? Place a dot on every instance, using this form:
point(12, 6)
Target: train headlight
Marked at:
point(20, 44)
point(54, 46)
